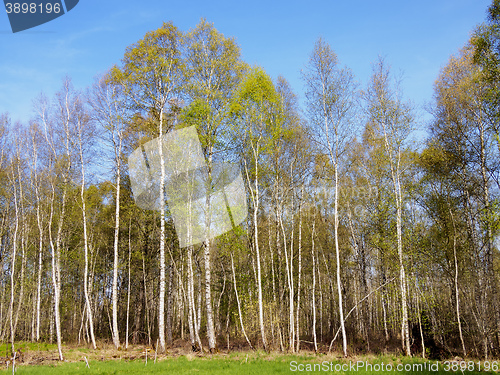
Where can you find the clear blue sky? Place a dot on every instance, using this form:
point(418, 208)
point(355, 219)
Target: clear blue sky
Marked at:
point(416, 38)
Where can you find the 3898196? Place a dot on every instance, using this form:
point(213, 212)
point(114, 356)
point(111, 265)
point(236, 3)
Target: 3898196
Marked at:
point(33, 8)
point(463, 366)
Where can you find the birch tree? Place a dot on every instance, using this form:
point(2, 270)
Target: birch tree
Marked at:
point(331, 99)
point(58, 164)
point(466, 131)
point(394, 118)
point(84, 131)
point(110, 112)
point(256, 112)
point(151, 76)
point(12, 178)
point(214, 68)
point(34, 133)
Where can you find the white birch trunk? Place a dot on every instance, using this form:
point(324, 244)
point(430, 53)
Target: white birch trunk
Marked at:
point(208, 298)
point(55, 250)
point(314, 287)
point(13, 267)
point(299, 270)
point(255, 199)
point(39, 277)
point(395, 171)
point(457, 295)
point(115, 333)
point(128, 287)
point(239, 305)
point(161, 304)
point(404, 303)
point(56, 280)
point(40, 242)
point(190, 303)
point(86, 247)
point(212, 344)
point(192, 321)
point(291, 320)
point(337, 255)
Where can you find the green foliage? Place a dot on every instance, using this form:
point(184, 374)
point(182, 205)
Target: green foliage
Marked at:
point(195, 113)
point(198, 78)
point(486, 43)
point(257, 88)
point(252, 363)
point(258, 118)
point(213, 70)
point(152, 71)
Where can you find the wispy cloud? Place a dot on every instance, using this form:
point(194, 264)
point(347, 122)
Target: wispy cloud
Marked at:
point(70, 46)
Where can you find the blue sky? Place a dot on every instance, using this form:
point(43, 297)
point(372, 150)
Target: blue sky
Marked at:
point(416, 38)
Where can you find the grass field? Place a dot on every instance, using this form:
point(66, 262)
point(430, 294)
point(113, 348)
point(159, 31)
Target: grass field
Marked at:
point(233, 363)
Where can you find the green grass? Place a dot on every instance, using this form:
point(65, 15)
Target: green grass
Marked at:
point(235, 363)
point(177, 366)
point(5, 348)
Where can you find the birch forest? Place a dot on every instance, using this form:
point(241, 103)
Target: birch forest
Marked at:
point(369, 229)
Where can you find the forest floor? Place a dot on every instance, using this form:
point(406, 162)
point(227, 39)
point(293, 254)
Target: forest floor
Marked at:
point(42, 358)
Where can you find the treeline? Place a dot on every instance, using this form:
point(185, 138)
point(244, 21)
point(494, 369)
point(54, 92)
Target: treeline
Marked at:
point(356, 239)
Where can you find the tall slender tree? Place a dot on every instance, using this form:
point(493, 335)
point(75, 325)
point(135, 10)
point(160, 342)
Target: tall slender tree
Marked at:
point(151, 75)
point(394, 118)
point(256, 116)
point(109, 111)
point(214, 68)
point(331, 99)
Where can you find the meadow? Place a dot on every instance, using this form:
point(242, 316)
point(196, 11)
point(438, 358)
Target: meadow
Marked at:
point(42, 359)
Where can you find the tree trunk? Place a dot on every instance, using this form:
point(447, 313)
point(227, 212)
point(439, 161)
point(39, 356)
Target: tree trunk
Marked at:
point(212, 342)
point(395, 172)
point(128, 287)
point(39, 277)
point(115, 334)
point(255, 199)
point(170, 304)
point(337, 255)
point(56, 280)
point(86, 246)
point(405, 334)
point(457, 295)
point(299, 271)
point(40, 243)
point(56, 250)
point(192, 321)
point(161, 303)
point(146, 304)
point(313, 294)
point(208, 298)
point(13, 268)
point(490, 306)
point(239, 305)
point(21, 276)
point(86, 272)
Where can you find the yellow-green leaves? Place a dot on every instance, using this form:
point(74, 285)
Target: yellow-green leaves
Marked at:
point(152, 71)
point(256, 101)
